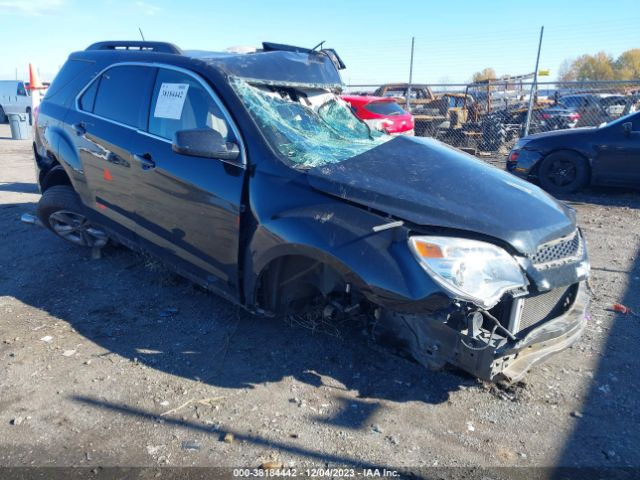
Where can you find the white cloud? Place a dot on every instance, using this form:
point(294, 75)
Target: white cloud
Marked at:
point(148, 8)
point(30, 7)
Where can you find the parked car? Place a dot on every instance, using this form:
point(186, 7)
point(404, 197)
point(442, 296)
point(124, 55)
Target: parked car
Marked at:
point(595, 109)
point(557, 117)
point(381, 113)
point(567, 160)
point(15, 97)
point(429, 111)
point(247, 174)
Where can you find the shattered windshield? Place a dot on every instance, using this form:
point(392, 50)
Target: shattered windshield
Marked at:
point(310, 127)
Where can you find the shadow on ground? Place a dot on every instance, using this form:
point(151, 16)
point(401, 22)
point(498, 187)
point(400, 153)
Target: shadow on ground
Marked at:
point(131, 307)
point(604, 196)
point(19, 187)
point(608, 431)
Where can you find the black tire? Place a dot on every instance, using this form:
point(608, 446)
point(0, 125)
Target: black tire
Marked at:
point(61, 211)
point(494, 134)
point(563, 172)
point(3, 117)
point(30, 116)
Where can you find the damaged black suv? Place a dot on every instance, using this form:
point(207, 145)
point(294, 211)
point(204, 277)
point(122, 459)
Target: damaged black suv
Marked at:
point(249, 175)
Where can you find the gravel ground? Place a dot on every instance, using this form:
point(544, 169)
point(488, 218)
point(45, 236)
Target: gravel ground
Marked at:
point(118, 362)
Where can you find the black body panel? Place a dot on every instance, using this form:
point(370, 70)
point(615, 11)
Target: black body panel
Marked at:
point(430, 184)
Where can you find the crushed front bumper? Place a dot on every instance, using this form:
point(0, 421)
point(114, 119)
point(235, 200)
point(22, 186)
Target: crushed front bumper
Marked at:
point(512, 360)
point(432, 342)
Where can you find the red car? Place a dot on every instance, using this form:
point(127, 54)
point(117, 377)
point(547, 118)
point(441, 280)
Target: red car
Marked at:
point(381, 113)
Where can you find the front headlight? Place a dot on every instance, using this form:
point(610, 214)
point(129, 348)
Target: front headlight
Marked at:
point(469, 269)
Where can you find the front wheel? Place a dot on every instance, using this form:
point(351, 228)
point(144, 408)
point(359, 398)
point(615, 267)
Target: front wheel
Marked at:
point(3, 116)
point(62, 212)
point(563, 172)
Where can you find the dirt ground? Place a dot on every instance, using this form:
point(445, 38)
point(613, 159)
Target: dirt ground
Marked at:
point(118, 362)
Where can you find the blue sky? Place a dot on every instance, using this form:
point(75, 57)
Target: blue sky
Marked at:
point(453, 38)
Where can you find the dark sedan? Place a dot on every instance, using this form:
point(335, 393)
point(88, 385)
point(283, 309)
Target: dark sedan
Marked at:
point(564, 161)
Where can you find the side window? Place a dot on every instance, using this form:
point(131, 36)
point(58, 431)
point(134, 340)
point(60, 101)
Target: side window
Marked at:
point(88, 98)
point(122, 95)
point(22, 92)
point(180, 102)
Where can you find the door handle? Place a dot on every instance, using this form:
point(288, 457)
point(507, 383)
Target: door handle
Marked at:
point(79, 128)
point(145, 160)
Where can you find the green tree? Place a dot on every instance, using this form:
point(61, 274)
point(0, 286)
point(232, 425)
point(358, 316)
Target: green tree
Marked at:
point(602, 66)
point(597, 67)
point(627, 66)
point(589, 67)
point(485, 74)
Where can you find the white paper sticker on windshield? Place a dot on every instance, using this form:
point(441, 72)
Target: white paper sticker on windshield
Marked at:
point(171, 100)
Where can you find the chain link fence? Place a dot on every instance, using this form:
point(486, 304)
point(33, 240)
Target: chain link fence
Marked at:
point(488, 118)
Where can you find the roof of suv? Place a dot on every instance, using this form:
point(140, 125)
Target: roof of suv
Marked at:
point(274, 63)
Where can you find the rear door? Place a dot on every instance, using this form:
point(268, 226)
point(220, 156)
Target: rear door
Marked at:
point(104, 128)
point(188, 208)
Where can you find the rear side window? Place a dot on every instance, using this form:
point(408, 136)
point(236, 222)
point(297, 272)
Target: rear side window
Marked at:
point(395, 93)
point(88, 98)
point(69, 81)
point(570, 101)
point(385, 108)
point(180, 102)
point(122, 95)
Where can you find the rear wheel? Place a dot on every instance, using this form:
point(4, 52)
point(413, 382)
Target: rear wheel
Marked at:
point(62, 212)
point(563, 172)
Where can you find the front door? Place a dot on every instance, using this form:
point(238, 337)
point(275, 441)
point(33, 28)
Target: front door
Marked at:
point(617, 159)
point(188, 208)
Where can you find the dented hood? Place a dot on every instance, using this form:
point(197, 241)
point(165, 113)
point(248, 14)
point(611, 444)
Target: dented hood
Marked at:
point(428, 183)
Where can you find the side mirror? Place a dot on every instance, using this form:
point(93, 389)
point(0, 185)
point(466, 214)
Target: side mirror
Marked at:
point(627, 128)
point(204, 142)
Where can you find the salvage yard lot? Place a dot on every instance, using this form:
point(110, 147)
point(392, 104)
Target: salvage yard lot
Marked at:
point(118, 362)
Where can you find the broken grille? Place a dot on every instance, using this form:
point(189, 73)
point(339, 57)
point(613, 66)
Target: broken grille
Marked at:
point(566, 249)
point(544, 307)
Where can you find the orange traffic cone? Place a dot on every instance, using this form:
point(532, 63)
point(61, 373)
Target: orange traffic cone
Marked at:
point(34, 80)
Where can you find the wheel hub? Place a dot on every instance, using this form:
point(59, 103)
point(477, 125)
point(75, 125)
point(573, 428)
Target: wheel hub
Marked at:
point(563, 173)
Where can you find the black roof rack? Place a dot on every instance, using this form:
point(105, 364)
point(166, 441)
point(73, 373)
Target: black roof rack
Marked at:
point(136, 45)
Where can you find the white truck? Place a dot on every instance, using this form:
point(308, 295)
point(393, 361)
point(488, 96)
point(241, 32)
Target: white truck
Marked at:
point(15, 97)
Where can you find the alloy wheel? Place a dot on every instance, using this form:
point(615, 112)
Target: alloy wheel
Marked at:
point(77, 229)
point(562, 173)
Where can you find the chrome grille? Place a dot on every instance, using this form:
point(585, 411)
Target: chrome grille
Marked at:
point(558, 251)
point(543, 307)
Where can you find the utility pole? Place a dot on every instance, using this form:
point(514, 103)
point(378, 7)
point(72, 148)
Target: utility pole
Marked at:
point(141, 34)
point(413, 39)
point(534, 86)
